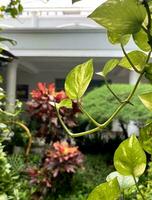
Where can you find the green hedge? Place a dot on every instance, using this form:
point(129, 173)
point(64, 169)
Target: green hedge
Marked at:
point(100, 103)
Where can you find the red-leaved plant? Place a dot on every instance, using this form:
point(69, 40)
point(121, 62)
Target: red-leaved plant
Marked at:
point(43, 111)
point(60, 161)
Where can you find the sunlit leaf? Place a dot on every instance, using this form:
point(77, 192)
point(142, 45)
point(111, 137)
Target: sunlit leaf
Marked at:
point(148, 72)
point(3, 197)
point(109, 66)
point(78, 80)
point(138, 59)
point(141, 40)
point(124, 181)
point(67, 103)
point(116, 38)
point(4, 39)
point(104, 191)
point(129, 158)
point(146, 138)
point(120, 16)
point(147, 100)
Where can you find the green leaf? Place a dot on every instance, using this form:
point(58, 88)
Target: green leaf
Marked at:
point(109, 66)
point(148, 72)
point(129, 158)
point(1, 79)
point(120, 16)
point(138, 58)
point(65, 103)
point(106, 190)
point(141, 40)
point(78, 80)
point(147, 100)
point(124, 181)
point(4, 39)
point(146, 138)
point(116, 38)
point(3, 197)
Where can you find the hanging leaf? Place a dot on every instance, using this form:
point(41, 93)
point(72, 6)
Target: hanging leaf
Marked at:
point(116, 38)
point(147, 100)
point(148, 72)
point(4, 39)
point(67, 103)
point(78, 79)
point(129, 158)
point(120, 16)
point(146, 138)
point(1, 79)
point(141, 40)
point(109, 66)
point(138, 59)
point(106, 190)
point(124, 181)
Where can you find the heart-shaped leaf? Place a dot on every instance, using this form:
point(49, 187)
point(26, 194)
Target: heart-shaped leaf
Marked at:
point(146, 138)
point(109, 66)
point(120, 16)
point(138, 59)
point(78, 79)
point(141, 40)
point(147, 100)
point(67, 103)
point(129, 158)
point(124, 181)
point(104, 191)
point(116, 38)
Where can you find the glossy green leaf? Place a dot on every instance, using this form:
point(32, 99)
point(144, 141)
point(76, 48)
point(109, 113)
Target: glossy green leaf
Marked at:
point(146, 138)
point(105, 191)
point(141, 40)
point(120, 16)
point(78, 79)
point(129, 158)
point(109, 66)
point(138, 58)
point(67, 103)
point(116, 38)
point(147, 100)
point(124, 181)
point(148, 72)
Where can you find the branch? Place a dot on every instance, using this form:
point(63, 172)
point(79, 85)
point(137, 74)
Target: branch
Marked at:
point(132, 65)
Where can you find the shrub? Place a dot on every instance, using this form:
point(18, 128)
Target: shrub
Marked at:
point(42, 111)
point(58, 164)
point(100, 103)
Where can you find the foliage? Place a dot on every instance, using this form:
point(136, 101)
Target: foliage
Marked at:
point(8, 183)
point(122, 19)
point(42, 110)
point(59, 162)
point(13, 8)
point(98, 107)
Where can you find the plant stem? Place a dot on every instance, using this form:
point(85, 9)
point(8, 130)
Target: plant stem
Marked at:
point(138, 189)
point(130, 62)
point(88, 115)
point(102, 126)
point(112, 92)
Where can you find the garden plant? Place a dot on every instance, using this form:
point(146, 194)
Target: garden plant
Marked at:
point(123, 19)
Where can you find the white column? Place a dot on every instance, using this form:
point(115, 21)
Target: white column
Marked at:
point(133, 76)
point(34, 19)
point(11, 86)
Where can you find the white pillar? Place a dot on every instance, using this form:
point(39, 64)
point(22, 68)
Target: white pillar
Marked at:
point(133, 76)
point(11, 86)
point(34, 19)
